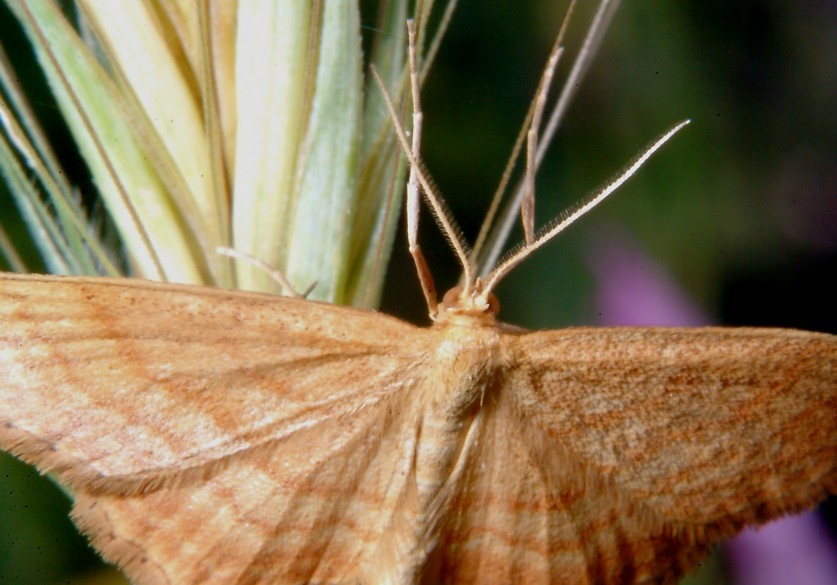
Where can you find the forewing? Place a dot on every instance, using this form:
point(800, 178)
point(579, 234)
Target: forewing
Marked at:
point(121, 385)
point(709, 428)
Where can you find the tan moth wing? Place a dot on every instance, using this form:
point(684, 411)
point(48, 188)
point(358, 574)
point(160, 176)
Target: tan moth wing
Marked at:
point(183, 397)
point(652, 444)
point(527, 510)
point(304, 444)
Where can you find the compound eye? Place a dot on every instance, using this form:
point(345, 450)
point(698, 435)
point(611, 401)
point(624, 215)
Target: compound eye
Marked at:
point(452, 297)
point(493, 304)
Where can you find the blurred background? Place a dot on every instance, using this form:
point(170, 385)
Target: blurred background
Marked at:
point(735, 220)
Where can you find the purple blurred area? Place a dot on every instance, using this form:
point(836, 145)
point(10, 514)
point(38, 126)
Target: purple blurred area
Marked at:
point(797, 549)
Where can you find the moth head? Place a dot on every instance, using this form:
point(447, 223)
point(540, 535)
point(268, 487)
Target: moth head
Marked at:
point(471, 301)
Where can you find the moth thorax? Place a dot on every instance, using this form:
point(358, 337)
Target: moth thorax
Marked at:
point(460, 300)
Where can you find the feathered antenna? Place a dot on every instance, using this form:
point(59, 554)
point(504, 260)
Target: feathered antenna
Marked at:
point(474, 293)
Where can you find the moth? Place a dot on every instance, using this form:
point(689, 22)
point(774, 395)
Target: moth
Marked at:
point(214, 436)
